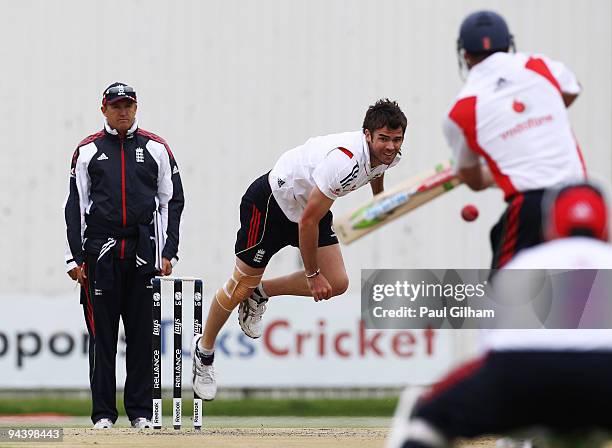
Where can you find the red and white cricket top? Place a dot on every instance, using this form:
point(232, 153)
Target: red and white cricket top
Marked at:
point(565, 253)
point(337, 164)
point(511, 113)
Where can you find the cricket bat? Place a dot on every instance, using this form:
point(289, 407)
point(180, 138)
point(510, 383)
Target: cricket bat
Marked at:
point(393, 203)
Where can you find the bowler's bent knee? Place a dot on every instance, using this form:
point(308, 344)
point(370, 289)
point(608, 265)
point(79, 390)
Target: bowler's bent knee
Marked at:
point(339, 286)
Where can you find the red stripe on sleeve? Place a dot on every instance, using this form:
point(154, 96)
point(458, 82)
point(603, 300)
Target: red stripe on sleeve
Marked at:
point(539, 66)
point(156, 138)
point(464, 115)
point(91, 138)
point(346, 151)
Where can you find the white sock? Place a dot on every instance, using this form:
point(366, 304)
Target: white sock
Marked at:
point(204, 351)
point(207, 352)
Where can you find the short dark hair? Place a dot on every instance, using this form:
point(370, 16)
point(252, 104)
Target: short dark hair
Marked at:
point(482, 55)
point(384, 113)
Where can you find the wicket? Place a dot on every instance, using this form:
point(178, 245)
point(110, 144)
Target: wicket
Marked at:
point(177, 400)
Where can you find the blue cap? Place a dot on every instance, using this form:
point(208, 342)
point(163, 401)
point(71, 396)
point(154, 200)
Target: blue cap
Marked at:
point(118, 91)
point(483, 32)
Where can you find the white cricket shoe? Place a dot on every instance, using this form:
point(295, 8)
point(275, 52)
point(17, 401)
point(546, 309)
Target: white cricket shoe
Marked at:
point(404, 429)
point(103, 423)
point(250, 313)
point(142, 423)
point(204, 383)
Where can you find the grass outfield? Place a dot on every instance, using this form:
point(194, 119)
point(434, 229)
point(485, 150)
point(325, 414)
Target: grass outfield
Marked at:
point(374, 407)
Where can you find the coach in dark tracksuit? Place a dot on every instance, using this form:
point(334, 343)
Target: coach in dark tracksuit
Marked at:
point(122, 219)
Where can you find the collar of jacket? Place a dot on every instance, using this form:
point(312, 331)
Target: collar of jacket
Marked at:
point(130, 133)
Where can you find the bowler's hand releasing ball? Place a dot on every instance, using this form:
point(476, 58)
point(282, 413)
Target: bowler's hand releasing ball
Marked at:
point(469, 213)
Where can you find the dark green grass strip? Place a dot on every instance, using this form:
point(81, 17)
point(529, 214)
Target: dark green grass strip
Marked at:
point(378, 407)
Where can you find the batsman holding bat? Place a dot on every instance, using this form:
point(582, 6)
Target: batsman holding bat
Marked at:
point(512, 113)
point(290, 205)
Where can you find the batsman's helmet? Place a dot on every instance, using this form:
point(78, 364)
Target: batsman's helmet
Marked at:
point(575, 210)
point(484, 32)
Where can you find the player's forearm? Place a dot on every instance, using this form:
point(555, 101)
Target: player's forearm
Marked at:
point(309, 237)
point(171, 247)
point(569, 98)
point(73, 218)
point(175, 212)
point(477, 177)
point(487, 177)
point(378, 185)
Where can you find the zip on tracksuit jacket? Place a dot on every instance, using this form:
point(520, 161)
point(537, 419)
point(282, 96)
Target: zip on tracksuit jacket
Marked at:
point(116, 186)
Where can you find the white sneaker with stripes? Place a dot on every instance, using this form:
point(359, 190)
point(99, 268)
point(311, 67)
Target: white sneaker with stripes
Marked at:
point(250, 313)
point(142, 423)
point(103, 423)
point(203, 379)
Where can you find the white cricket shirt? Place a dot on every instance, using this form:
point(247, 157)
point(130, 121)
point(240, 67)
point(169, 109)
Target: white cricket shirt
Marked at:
point(337, 164)
point(564, 253)
point(511, 113)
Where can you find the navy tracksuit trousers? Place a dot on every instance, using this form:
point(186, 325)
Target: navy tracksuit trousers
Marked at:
point(130, 299)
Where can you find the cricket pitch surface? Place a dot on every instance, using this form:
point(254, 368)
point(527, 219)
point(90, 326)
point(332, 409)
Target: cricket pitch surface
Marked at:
point(227, 432)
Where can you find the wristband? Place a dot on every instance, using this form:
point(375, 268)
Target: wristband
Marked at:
point(314, 274)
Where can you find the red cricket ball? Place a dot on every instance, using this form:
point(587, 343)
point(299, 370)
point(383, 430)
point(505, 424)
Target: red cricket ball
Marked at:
point(469, 213)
